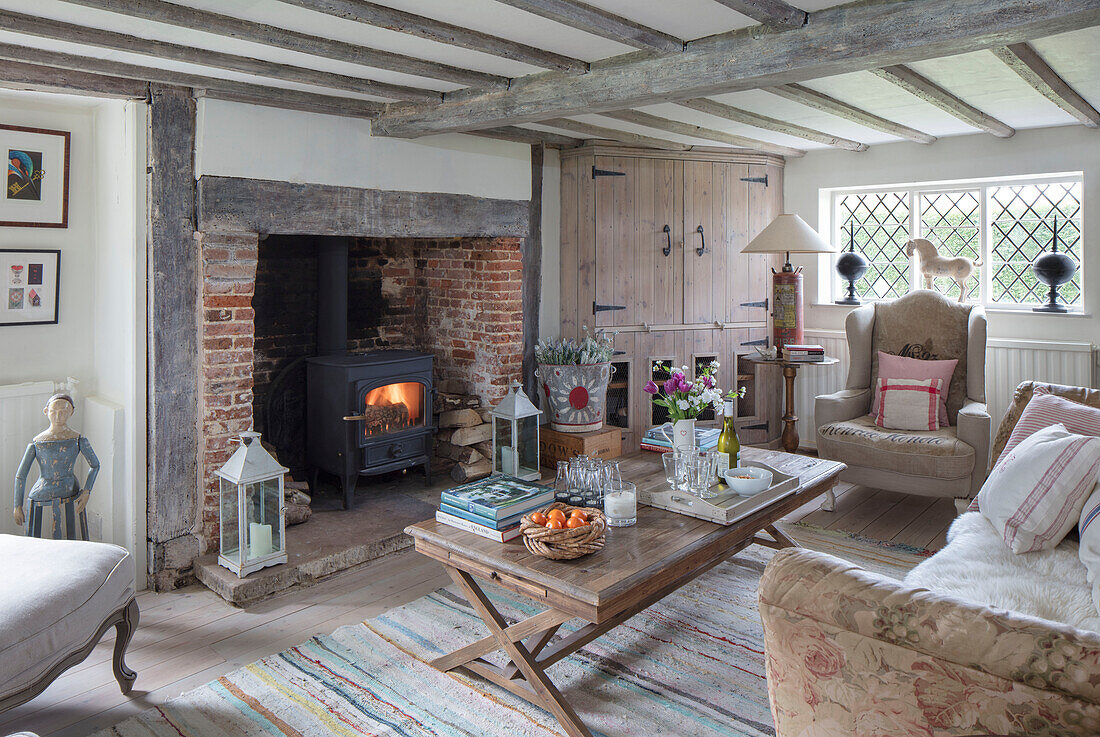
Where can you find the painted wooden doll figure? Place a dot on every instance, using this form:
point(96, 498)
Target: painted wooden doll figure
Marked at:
point(56, 450)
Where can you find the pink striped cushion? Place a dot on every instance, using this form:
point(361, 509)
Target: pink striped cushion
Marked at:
point(903, 367)
point(909, 404)
point(1046, 409)
point(1035, 495)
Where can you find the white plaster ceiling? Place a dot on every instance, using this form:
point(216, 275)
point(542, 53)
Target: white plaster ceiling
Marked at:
point(978, 78)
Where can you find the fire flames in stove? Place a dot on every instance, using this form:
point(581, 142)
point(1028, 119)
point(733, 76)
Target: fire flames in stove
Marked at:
point(392, 407)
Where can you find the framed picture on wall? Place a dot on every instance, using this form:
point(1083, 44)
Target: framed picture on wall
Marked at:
point(36, 194)
point(31, 284)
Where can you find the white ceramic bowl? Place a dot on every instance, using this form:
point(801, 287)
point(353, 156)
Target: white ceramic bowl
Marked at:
point(759, 479)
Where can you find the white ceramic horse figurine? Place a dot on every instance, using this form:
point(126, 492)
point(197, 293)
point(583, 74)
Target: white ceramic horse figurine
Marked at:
point(932, 264)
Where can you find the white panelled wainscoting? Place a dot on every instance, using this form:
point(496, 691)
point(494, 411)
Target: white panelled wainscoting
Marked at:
point(1007, 363)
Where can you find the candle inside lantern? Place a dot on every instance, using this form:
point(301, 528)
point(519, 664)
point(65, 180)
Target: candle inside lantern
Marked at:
point(621, 507)
point(259, 539)
point(508, 460)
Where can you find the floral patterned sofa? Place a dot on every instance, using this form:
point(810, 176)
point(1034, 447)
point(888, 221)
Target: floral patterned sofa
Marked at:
point(851, 652)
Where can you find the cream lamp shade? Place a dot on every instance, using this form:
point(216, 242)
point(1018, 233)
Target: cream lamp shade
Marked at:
point(788, 234)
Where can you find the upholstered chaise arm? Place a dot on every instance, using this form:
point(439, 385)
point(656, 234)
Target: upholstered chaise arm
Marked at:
point(853, 652)
point(975, 429)
point(846, 404)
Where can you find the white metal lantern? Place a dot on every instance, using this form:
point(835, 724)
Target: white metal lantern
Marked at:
point(251, 509)
point(516, 436)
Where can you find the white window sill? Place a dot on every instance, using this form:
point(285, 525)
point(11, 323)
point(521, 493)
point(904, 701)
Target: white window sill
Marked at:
point(997, 310)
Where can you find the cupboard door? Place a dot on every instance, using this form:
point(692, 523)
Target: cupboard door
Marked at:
point(615, 242)
point(658, 204)
point(571, 261)
point(763, 203)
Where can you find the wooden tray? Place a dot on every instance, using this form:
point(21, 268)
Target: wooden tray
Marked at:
point(727, 507)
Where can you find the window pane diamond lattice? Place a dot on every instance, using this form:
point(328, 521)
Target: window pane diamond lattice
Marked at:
point(952, 221)
point(881, 222)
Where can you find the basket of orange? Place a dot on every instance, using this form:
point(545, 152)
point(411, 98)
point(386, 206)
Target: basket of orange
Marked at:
point(562, 532)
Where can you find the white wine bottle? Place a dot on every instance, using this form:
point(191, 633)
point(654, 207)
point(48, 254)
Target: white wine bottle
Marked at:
point(729, 447)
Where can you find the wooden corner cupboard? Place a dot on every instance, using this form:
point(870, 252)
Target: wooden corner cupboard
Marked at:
point(651, 250)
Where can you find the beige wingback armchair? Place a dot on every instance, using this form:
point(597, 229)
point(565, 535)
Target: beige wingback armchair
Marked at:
point(949, 462)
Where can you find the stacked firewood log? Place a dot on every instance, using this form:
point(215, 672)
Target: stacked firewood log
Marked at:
point(463, 441)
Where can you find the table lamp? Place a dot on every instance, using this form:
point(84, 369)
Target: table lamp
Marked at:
point(787, 234)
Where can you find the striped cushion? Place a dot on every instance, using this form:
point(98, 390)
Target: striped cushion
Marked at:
point(1046, 409)
point(1089, 550)
point(1034, 496)
point(909, 404)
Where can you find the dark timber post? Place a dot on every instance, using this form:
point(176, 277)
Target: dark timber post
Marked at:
point(173, 289)
point(532, 273)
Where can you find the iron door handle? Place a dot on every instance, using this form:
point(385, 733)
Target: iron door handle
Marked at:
point(703, 240)
point(396, 449)
point(667, 250)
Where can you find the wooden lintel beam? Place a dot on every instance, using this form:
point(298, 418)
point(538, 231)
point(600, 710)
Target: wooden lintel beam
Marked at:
point(244, 30)
point(65, 64)
point(925, 89)
point(721, 110)
point(393, 19)
point(697, 131)
point(601, 23)
point(1033, 69)
point(527, 135)
point(826, 104)
point(71, 33)
point(774, 13)
point(844, 38)
point(270, 207)
point(612, 134)
point(19, 75)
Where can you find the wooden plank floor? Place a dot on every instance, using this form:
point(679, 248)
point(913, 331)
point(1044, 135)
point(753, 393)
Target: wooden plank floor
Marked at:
point(191, 636)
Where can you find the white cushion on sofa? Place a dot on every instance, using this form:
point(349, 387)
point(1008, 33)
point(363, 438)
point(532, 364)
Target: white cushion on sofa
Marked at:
point(978, 566)
point(54, 595)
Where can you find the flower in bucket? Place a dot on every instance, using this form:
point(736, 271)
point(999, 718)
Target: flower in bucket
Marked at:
point(685, 398)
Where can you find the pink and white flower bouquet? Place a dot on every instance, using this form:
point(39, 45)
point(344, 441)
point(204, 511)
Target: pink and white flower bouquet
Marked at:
point(686, 399)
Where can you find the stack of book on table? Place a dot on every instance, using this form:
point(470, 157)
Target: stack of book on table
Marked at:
point(492, 507)
point(655, 440)
point(807, 353)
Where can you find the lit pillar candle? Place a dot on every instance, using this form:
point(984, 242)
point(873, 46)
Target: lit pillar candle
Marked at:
point(259, 539)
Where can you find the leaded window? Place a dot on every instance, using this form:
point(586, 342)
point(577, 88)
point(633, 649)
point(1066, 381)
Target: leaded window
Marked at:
point(879, 222)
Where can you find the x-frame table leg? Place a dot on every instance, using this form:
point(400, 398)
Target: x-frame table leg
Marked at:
point(545, 693)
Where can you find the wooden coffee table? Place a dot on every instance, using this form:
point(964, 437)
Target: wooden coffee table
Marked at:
point(639, 566)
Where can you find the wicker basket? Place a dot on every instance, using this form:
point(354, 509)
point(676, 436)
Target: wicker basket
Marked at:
point(564, 544)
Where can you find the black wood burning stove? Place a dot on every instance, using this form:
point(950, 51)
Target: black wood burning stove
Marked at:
point(366, 413)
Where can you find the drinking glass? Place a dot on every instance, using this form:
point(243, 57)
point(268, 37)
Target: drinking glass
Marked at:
point(673, 469)
point(701, 466)
point(621, 506)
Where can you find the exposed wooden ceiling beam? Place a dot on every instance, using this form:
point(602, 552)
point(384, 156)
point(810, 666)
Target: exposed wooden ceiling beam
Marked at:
point(845, 38)
point(826, 104)
point(922, 87)
point(225, 25)
point(19, 75)
point(637, 117)
point(774, 13)
point(598, 22)
point(393, 19)
point(527, 135)
point(45, 28)
point(1026, 62)
point(65, 65)
point(718, 109)
point(611, 134)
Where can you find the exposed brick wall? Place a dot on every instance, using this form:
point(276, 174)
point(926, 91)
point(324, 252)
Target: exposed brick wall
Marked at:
point(228, 344)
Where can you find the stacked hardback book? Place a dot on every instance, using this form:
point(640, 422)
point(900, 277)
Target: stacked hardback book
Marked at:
point(808, 353)
point(492, 507)
point(655, 440)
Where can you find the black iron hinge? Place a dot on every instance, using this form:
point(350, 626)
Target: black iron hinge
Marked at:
point(762, 303)
point(762, 341)
point(756, 180)
point(597, 307)
point(606, 173)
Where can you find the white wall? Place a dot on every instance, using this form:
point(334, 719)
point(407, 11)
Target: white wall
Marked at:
point(1035, 151)
point(241, 140)
point(100, 336)
point(550, 302)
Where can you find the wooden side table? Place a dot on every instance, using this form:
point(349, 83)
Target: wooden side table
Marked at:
point(789, 440)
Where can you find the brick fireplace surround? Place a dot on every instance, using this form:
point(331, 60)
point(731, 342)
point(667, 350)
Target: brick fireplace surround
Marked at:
point(459, 299)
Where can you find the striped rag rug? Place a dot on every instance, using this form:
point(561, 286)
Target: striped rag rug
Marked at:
point(690, 665)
